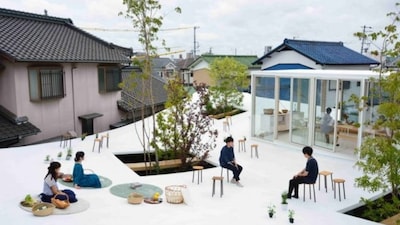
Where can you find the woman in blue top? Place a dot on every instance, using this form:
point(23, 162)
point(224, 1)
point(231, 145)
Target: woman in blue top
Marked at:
point(80, 178)
point(228, 161)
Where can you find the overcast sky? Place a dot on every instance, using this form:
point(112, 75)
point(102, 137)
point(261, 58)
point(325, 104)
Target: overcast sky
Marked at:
point(242, 27)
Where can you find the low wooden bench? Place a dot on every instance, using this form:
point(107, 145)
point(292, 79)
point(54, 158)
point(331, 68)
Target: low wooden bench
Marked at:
point(163, 164)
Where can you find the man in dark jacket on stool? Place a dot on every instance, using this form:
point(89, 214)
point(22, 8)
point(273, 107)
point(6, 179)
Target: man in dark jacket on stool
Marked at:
point(308, 175)
point(228, 161)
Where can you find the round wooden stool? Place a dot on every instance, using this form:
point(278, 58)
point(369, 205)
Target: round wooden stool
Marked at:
point(339, 181)
point(324, 173)
point(255, 146)
point(242, 145)
point(227, 173)
point(309, 190)
point(100, 141)
point(221, 179)
point(199, 170)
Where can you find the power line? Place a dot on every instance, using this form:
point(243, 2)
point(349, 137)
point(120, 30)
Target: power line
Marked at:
point(130, 30)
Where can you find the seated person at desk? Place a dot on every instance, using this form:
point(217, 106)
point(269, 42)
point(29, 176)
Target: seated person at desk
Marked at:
point(83, 180)
point(327, 126)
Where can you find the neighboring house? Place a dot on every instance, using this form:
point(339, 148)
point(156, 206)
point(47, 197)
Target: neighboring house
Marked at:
point(163, 67)
point(132, 102)
point(301, 54)
point(200, 67)
point(183, 69)
point(57, 75)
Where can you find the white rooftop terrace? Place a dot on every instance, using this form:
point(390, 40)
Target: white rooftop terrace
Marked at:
point(264, 179)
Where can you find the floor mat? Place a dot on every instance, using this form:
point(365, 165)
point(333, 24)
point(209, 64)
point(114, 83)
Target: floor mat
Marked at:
point(123, 190)
point(105, 182)
point(76, 207)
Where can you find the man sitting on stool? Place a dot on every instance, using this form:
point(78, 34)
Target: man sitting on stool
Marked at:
point(307, 175)
point(227, 160)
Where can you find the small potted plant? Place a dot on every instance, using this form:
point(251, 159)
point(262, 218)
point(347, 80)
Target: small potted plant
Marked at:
point(59, 155)
point(83, 136)
point(291, 216)
point(244, 138)
point(284, 202)
point(47, 159)
point(271, 211)
point(69, 154)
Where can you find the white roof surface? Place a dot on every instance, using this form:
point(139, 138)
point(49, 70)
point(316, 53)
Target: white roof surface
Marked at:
point(264, 179)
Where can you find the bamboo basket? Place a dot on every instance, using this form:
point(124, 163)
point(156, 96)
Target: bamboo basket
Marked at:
point(173, 193)
point(135, 198)
point(43, 209)
point(60, 204)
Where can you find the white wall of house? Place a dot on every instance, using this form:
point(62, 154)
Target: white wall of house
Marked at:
point(288, 57)
point(56, 116)
point(291, 57)
point(201, 65)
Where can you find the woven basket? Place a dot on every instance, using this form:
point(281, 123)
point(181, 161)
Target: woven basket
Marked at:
point(60, 204)
point(135, 198)
point(43, 209)
point(173, 194)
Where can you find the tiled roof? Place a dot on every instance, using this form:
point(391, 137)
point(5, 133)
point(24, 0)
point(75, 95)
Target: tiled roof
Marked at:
point(244, 59)
point(324, 53)
point(28, 37)
point(13, 127)
point(183, 64)
point(132, 99)
point(161, 62)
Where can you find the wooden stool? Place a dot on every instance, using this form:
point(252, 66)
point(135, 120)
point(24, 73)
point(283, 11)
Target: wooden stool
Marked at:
point(68, 137)
point(242, 145)
point(227, 173)
point(221, 179)
point(225, 126)
point(255, 146)
point(99, 140)
point(339, 181)
point(107, 136)
point(228, 119)
point(309, 189)
point(199, 170)
point(325, 174)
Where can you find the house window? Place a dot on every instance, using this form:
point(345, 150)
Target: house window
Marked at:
point(109, 78)
point(46, 83)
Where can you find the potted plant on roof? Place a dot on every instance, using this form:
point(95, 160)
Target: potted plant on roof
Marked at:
point(271, 211)
point(291, 216)
point(59, 155)
point(69, 154)
point(284, 202)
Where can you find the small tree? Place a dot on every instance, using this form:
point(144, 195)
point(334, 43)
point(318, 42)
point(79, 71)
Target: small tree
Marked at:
point(144, 16)
point(380, 155)
point(183, 130)
point(228, 77)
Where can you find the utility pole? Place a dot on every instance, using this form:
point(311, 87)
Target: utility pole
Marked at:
point(194, 41)
point(364, 38)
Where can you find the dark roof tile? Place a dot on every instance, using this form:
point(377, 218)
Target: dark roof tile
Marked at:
point(323, 52)
point(27, 37)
